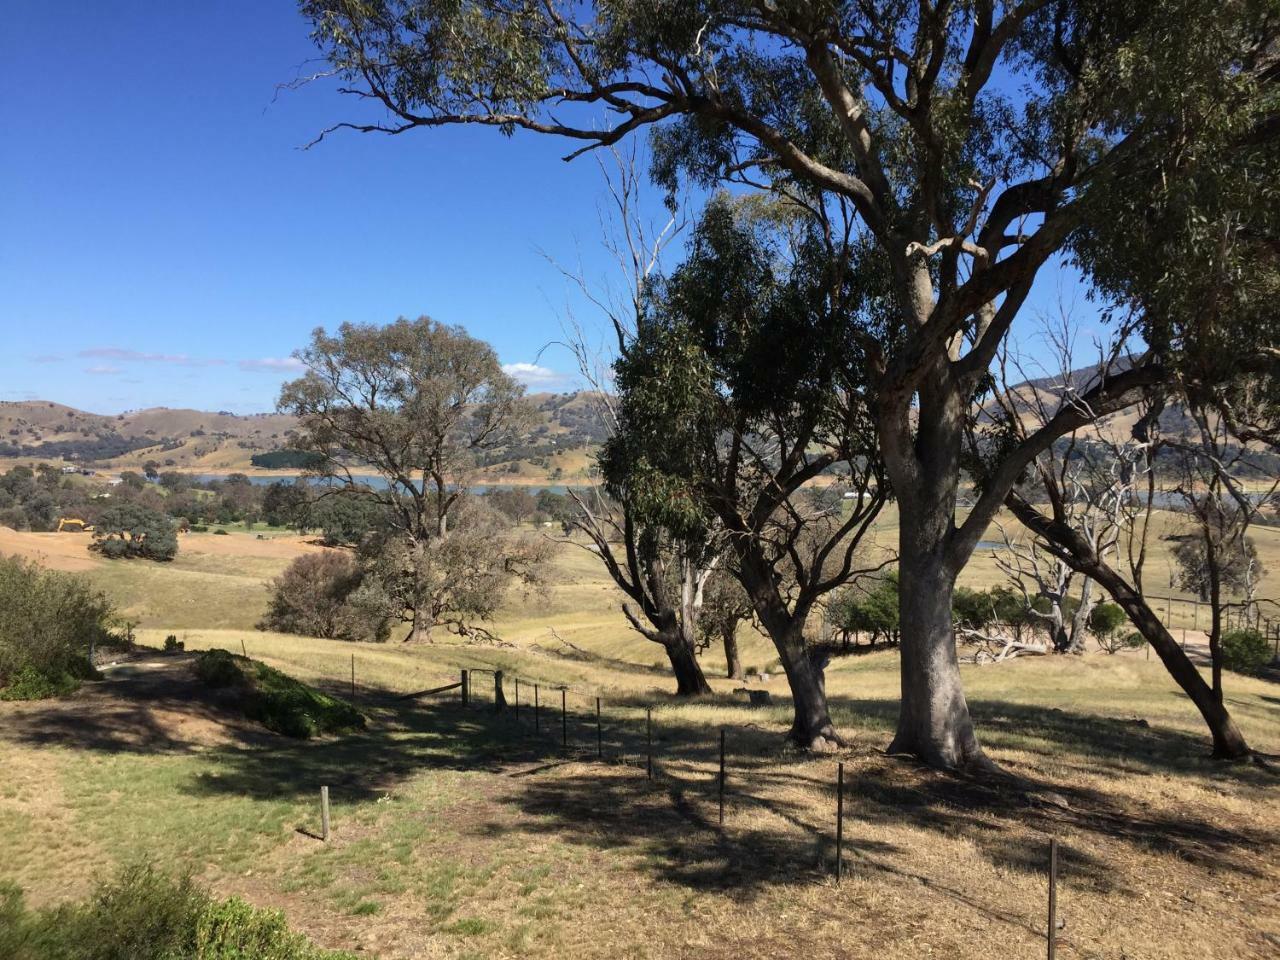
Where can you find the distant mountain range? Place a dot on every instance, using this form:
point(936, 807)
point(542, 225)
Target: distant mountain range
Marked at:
point(559, 449)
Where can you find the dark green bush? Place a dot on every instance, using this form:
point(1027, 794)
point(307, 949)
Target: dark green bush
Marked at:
point(278, 701)
point(1245, 651)
point(144, 915)
point(172, 644)
point(49, 625)
point(222, 533)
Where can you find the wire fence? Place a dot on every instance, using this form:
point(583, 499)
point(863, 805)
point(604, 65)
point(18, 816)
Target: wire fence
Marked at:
point(708, 780)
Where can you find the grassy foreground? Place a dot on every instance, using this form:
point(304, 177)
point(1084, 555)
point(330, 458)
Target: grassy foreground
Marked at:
point(462, 833)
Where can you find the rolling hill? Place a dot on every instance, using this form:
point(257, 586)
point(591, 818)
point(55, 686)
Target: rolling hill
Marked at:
point(559, 448)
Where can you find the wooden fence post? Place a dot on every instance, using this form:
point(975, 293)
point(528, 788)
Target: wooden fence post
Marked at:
point(599, 734)
point(537, 710)
point(564, 718)
point(353, 677)
point(517, 698)
point(839, 821)
point(466, 687)
point(1053, 896)
point(648, 741)
point(722, 778)
point(324, 813)
point(499, 697)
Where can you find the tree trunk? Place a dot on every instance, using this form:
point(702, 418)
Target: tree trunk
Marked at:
point(811, 726)
point(690, 680)
point(1080, 620)
point(419, 629)
point(732, 656)
point(933, 719)
point(1228, 741)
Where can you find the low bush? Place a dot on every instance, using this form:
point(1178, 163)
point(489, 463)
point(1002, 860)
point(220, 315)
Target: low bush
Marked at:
point(222, 533)
point(324, 594)
point(49, 625)
point(1105, 621)
point(144, 915)
point(173, 645)
point(1245, 651)
point(276, 700)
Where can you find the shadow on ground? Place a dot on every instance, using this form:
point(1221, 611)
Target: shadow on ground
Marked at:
point(672, 822)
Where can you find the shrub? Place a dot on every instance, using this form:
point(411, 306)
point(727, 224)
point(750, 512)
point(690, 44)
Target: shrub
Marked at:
point(49, 625)
point(173, 645)
point(1105, 621)
point(1245, 651)
point(222, 533)
point(276, 700)
point(198, 528)
point(144, 915)
point(320, 595)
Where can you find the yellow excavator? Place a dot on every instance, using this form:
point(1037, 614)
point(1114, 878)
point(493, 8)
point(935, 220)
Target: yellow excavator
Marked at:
point(74, 525)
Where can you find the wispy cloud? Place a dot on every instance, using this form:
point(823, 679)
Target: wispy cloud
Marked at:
point(48, 358)
point(103, 368)
point(138, 356)
point(272, 363)
point(537, 377)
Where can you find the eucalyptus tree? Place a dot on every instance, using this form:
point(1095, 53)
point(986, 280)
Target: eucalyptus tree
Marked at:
point(976, 142)
point(414, 401)
point(741, 392)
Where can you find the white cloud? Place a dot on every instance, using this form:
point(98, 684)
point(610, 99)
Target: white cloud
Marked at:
point(272, 363)
point(138, 356)
point(537, 377)
point(103, 368)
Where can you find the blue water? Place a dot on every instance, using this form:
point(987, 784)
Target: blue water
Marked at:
point(378, 482)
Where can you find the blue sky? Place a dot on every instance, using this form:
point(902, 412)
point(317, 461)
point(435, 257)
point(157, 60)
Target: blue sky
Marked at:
point(164, 241)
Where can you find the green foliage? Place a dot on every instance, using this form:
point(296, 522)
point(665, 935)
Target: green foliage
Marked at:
point(1245, 651)
point(126, 530)
point(49, 624)
point(873, 610)
point(143, 915)
point(1106, 618)
point(172, 644)
point(344, 518)
point(32, 684)
point(277, 701)
point(286, 460)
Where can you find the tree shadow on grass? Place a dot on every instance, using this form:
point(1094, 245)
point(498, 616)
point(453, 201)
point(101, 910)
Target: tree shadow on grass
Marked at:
point(672, 823)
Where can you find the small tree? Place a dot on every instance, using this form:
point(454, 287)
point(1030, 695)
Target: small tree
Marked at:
point(416, 401)
point(133, 530)
point(725, 607)
point(1106, 621)
point(319, 595)
point(457, 581)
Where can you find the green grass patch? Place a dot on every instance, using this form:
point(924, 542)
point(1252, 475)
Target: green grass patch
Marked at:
point(276, 700)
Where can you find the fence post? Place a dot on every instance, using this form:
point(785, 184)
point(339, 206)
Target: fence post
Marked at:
point(1053, 895)
point(499, 698)
point(537, 709)
point(564, 718)
point(648, 741)
point(466, 687)
point(839, 821)
point(517, 698)
point(353, 676)
point(324, 813)
point(244, 649)
point(599, 734)
point(722, 778)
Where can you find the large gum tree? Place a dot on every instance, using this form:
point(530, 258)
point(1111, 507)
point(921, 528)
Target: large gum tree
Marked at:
point(974, 139)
